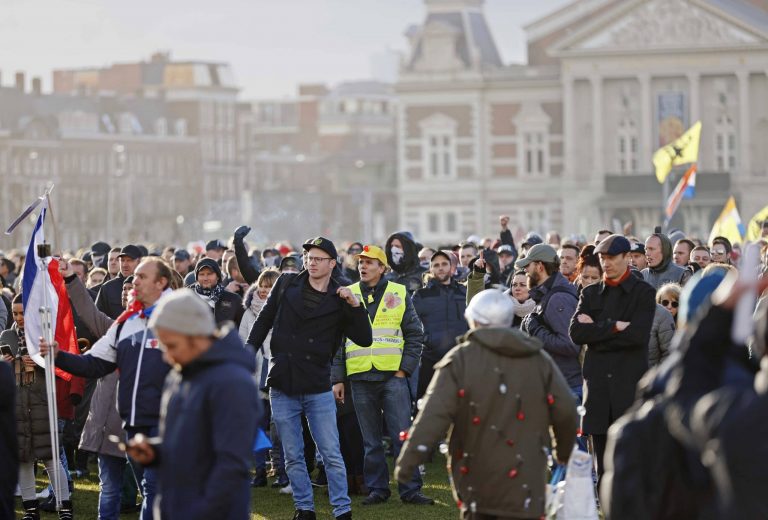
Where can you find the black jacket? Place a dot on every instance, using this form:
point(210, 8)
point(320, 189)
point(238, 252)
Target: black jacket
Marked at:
point(110, 298)
point(229, 308)
point(9, 453)
point(303, 344)
point(615, 361)
point(441, 310)
point(210, 414)
point(250, 274)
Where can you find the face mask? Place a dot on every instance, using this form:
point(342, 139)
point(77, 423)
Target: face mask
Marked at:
point(424, 264)
point(270, 261)
point(397, 255)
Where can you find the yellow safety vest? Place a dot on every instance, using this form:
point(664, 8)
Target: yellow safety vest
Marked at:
point(386, 351)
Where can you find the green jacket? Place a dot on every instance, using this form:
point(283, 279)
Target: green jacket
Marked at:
point(497, 393)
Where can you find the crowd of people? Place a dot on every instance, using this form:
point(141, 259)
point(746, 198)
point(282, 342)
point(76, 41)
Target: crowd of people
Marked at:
point(502, 355)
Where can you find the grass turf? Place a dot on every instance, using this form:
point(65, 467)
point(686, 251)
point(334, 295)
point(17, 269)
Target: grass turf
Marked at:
point(268, 504)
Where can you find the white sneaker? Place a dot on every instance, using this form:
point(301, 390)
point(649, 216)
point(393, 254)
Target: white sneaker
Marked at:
point(287, 490)
point(43, 494)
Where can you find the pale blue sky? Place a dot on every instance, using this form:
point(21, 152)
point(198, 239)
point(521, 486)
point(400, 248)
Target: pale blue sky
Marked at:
point(272, 45)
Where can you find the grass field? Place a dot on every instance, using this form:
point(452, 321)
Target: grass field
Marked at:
point(268, 504)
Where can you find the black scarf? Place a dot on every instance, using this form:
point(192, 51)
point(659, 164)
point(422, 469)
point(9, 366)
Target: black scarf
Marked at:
point(213, 294)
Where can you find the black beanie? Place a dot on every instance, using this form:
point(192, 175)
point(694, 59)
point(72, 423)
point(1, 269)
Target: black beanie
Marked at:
point(211, 264)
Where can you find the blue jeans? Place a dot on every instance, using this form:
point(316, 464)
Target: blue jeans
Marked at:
point(110, 486)
point(320, 410)
point(391, 400)
point(146, 477)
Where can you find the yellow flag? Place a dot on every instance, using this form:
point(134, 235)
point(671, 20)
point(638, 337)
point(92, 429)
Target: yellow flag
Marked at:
point(684, 150)
point(755, 226)
point(728, 224)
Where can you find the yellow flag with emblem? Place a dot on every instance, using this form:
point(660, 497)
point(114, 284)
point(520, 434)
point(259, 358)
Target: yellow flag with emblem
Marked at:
point(755, 227)
point(683, 150)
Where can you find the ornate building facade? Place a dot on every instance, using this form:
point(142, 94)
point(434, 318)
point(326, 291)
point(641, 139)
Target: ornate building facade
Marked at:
point(565, 141)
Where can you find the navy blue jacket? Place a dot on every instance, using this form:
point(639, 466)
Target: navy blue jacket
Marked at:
point(441, 310)
point(303, 343)
point(136, 354)
point(210, 414)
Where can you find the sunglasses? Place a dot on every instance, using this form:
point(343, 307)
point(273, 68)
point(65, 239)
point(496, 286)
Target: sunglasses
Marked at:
point(667, 303)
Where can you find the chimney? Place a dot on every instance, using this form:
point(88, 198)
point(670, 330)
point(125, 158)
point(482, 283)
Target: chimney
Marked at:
point(20, 81)
point(37, 86)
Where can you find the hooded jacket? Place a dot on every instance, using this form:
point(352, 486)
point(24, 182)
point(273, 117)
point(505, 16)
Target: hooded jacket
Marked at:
point(209, 418)
point(497, 393)
point(229, 306)
point(409, 271)
point(667, 271)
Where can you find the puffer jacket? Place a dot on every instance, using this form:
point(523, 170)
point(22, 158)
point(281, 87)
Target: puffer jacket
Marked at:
point(497, 393)
point(662, 332)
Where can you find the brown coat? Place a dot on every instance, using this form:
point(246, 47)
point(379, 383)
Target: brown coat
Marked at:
point(497, 393)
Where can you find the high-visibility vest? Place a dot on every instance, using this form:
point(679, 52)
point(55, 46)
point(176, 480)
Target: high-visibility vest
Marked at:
point(386, 351)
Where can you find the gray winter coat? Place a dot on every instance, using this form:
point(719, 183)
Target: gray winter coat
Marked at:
point(103, 418)
point(662, 332)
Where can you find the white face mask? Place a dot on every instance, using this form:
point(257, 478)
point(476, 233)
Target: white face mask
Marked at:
point(397, 255)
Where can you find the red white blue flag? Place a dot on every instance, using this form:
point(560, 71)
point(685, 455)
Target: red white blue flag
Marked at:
point(46, 289)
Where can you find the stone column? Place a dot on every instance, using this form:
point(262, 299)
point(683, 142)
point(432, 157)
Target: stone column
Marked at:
point(646, 123)
point(694, 103)
point(597, 125)
point(745, 163)
point(568, 133)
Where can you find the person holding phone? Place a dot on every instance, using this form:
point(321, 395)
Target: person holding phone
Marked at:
point(33, 429)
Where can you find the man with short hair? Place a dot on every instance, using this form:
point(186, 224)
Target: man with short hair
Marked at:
point(113, 262)
point(378, 374)
point(682, 251)
point(225, 305)
point(467, 251)
point(108, 300)
point(614, 319)
point(130, 347)
point(80, 269)
point(210, 414)
point(569, 256)
point(721, 250)
point(308, 314)
point(661, 269)
point(440, 307)
point(506, 257)
point(555, 299)
point(602, 235)
point(700, 255)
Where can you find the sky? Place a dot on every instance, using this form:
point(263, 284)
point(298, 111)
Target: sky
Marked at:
point(272, 45)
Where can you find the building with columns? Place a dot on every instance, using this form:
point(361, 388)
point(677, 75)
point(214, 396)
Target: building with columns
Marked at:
point(565, 141)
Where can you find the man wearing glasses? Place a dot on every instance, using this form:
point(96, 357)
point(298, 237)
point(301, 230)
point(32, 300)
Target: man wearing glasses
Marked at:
point(721, 250)
point(308, 314)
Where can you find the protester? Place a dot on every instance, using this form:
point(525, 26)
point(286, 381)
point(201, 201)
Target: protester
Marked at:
point(505, 235)
point(32, 425)
point(403, 258)
point(110, 294)
point(681, 253)
point(96, 277)
point(614, 319)
point(497, 394)
point(569, 256)
point(130, 347)
point(700, 255)
point(721, 250)
point(314, 312)
point(440, 307)
point(225, 305)
point(522, 302)
point(638, 260)
point(378, 374)
point(588, 268)
point(661, 269)
point(8, 443)
point(209, 416)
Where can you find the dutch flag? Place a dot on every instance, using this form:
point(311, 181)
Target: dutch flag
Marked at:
point(38, 291)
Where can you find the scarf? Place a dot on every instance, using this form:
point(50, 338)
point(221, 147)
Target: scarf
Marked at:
point(256, 304)
point(523, 309)
point(616, 283)
point(137, 308)
point(25, 375)
point(212, 295)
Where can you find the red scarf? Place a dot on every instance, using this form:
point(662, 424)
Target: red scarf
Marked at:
point(134, 308)
point(617, 282)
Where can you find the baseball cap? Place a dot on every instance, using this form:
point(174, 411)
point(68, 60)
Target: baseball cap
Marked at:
point(131, 251)
point(538, 253)
point(614, 245)
point(290, 262)
point(505, 249)
point(321, 243)
point(100, 248)
point(215, 244)
point(181, 254)
point(637, 247)
point(184, 312)
point(532, 238)
point(375, 253)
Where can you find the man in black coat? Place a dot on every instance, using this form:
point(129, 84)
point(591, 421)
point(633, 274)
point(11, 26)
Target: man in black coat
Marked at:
point(613, 318)
point(308, 314)
point(110, 298)
point(226, 306)
point(9, 452)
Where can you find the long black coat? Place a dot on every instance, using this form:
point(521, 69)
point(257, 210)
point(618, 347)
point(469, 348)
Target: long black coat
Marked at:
point(303, 343)
point(614, 361)
point(110, 298)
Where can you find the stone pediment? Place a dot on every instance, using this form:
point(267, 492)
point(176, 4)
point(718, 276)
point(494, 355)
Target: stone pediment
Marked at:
point(657, 25)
